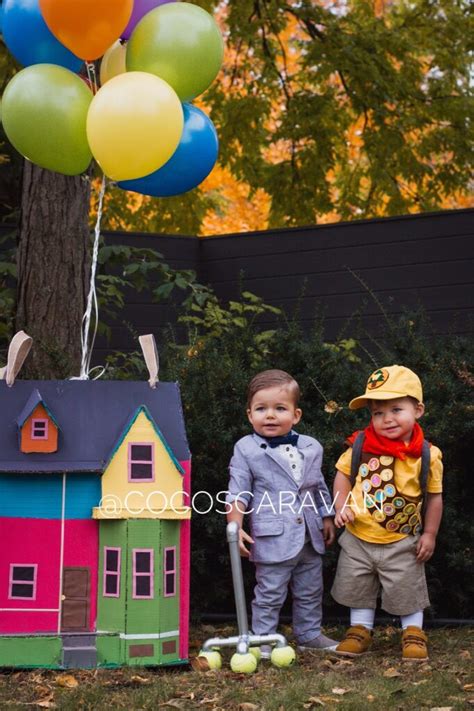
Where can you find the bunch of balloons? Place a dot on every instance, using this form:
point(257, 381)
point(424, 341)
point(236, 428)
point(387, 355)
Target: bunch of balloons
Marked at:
point(157, 55)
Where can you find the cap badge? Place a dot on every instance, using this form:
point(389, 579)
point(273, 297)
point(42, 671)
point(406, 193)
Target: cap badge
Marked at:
point(377, 379)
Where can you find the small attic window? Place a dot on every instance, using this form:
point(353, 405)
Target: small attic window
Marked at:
point(140, 462)
point(39, 429)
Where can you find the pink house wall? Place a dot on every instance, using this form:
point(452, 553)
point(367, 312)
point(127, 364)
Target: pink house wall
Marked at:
point(81, 548)
point(38, 541)
point(30, 541)
point(184, 572)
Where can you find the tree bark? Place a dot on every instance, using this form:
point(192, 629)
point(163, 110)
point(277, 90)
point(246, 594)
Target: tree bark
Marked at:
point(53, 262)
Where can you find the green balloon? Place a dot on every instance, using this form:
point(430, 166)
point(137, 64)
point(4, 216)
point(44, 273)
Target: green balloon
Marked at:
point(180, 43)
point(44, 116)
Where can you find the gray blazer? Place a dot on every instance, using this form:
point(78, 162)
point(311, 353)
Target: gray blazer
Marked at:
point(282, 513)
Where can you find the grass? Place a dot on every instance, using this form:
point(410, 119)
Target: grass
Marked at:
point(379, 680)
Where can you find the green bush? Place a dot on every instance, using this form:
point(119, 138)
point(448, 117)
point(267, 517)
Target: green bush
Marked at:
point(213, 370)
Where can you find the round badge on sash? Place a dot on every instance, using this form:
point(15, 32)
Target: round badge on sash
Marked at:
point(380, 517)
point(389, 490)
point(363, 470)
point(386, 474)
point(380, 496)
point(373, 464)
point(406, 529)
point(375, 480)
point(392, 526)
point(401, 518)
point(389, 510)
point(409, 509)
point(399, 502)
point(366, 486)
point(385, 460)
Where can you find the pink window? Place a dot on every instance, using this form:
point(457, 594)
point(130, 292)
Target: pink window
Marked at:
point(141, 461)
point(22, 582)
point(111, 582)
point(143, 573)
point(39, 429)
point(169, 567)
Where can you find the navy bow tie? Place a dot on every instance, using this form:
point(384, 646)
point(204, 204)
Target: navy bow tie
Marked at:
point(290, 438)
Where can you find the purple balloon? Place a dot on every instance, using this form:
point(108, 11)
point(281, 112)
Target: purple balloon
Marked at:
point(141, 8)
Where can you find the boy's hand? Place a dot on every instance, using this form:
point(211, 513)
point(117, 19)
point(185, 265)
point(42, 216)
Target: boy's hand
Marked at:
point(243, 536)
point(329, 532)
point(343, 516)
point(425, 547)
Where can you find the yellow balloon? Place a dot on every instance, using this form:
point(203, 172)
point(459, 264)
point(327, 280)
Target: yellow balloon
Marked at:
point(113, 62)
point(134, 125)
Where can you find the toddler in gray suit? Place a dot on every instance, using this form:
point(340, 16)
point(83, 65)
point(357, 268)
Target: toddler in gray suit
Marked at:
point(276, 480)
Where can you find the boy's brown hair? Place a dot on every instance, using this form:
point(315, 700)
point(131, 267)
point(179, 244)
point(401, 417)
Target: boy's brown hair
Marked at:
point(270, 379)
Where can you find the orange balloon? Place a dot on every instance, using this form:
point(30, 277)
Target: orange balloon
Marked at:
point(87, 27)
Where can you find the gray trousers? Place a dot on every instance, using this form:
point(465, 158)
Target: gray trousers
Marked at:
point(303, 574)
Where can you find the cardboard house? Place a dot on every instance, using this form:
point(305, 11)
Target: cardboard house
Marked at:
point(94, 524)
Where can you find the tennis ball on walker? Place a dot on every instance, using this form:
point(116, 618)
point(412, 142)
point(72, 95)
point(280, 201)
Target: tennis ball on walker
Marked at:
point(213, 658)
point(243, 663)
point(256, 653)
point(283, 656)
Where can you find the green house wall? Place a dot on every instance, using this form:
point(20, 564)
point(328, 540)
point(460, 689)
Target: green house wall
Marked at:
point(130, 617)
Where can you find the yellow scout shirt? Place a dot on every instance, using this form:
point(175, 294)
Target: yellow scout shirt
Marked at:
point(407, 480)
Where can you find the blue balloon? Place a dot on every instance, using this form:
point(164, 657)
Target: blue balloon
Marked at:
point(192, 161)
point(29, 39)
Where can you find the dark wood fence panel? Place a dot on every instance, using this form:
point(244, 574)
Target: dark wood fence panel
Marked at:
point(405, 262)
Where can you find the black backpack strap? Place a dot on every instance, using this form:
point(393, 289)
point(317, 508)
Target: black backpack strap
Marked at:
point(425, 466)
point(356, 456)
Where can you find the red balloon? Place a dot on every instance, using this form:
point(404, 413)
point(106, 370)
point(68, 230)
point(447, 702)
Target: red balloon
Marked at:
point(87, 27)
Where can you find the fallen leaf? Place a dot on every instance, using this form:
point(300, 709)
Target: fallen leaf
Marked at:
point(246, 706)
point(422, 681)
point(313, 701)
point(172, 703)
point(470, 702)
point(343, 663)
point(200, 664)
point(67, 680)
point(441, 708)
point(468, 687)
point(465, 654)
point(210, 700)
point(340, 692)
point(46, 703)
point(140, 679)
point(330, 699)
point(391, 673)
point(370, 698)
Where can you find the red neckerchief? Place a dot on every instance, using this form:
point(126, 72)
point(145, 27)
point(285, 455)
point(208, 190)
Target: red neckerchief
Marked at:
point(377, 444)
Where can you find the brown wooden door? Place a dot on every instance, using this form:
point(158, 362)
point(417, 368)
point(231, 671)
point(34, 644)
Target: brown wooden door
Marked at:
point(75, 600)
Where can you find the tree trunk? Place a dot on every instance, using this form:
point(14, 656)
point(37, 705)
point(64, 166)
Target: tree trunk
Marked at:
point(53, 269)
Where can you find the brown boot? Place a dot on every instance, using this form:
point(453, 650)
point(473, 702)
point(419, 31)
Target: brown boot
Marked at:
point(357, 640)
point(414, 647)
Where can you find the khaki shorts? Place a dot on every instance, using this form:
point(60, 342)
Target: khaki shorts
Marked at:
point(363, 568)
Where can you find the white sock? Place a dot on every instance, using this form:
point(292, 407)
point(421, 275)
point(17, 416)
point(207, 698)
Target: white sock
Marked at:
point(363, 616)
point(413, 620)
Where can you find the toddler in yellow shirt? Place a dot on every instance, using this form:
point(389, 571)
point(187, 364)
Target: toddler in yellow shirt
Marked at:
point(388, 495)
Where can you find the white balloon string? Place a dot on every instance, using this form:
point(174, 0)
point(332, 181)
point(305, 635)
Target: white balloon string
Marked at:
point(92, 300)
point(92, 76)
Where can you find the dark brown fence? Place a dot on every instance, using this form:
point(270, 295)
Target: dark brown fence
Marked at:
point(405, 262)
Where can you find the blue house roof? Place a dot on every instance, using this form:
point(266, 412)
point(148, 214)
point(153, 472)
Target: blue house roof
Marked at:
point(93, 416)
point(34, 400)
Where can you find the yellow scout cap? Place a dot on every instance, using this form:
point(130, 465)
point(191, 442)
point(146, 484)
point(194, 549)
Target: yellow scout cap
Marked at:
point(389, 383)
